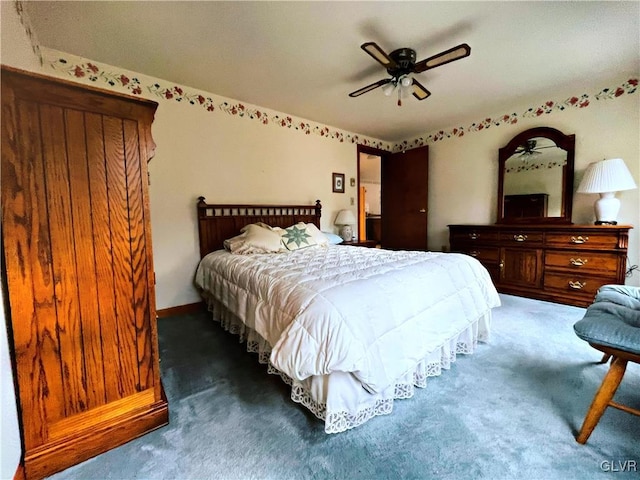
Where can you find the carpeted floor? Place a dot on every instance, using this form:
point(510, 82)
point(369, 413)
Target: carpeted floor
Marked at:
point(509, 411)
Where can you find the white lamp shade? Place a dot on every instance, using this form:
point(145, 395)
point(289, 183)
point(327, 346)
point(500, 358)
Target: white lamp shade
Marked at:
point(610, 175)
point(345, 217)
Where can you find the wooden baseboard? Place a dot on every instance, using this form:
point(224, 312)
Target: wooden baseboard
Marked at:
point(64, 453)
point(181, 310)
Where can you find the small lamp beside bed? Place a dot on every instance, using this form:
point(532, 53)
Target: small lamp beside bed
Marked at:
point(345, 220)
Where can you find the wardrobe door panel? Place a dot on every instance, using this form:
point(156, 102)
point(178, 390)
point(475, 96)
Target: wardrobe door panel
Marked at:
point(65, 271)
point(76, 237)
point(140, 273)
point(28, 266)
point(77, 153)
point(122, 262)
point(103, 254)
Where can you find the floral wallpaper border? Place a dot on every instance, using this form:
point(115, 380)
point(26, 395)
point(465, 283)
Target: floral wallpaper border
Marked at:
point(90, 71)
point(626, 88)
point(526, 166)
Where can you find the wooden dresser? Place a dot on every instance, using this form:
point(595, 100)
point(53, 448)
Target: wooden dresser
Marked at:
point(79, 268)
point(559, 263)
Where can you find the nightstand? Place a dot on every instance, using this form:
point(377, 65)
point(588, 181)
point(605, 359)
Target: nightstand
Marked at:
point(361, 243)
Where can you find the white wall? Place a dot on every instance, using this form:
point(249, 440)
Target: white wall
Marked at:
point(464, 170)
point(231, 160)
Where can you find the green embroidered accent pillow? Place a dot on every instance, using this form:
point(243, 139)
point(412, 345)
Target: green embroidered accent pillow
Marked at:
point(297, 237)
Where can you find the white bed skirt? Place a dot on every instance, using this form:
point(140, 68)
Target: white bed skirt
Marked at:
point(338, 398)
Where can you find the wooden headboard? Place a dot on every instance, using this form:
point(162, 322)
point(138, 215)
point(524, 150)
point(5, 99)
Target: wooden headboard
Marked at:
point(216, 223)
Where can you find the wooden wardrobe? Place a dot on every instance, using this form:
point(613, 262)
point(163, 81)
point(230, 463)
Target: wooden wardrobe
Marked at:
point(79, 270)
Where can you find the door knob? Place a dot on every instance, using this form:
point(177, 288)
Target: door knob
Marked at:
point(423, 210)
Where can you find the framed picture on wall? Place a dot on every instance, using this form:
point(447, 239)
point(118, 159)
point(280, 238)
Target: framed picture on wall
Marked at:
point(338, 182)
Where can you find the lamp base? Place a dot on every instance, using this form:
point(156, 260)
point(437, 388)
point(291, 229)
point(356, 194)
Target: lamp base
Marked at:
point(606, 209)
point(346, 232)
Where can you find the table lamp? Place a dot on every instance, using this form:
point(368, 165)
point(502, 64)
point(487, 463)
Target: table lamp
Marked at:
point(607, 177)
point(345, 220)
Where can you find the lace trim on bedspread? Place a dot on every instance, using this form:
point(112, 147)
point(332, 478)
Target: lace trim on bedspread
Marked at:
point(339, 421)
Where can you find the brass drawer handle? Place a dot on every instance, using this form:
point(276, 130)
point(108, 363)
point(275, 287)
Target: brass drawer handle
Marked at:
point(520, 238)
point(578, 262)
point(474, 253)
point(474, 236)
point(577, 285)
point(579, 239)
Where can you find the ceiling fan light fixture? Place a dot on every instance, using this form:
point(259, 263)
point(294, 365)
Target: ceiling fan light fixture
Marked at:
point(406, 81)
point(389, 88)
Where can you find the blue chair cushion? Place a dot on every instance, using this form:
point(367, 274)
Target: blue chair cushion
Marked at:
point(613, 320)
point(621, 294)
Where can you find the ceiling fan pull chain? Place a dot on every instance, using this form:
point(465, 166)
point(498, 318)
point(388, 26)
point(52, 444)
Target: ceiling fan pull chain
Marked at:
point(399, 96)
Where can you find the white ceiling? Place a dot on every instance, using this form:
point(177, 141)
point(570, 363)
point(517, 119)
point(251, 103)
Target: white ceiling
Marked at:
point(304, 58)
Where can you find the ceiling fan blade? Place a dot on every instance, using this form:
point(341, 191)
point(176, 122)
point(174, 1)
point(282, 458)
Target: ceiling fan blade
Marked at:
point(451, 55)
point(368, 88)
point(378, 54)
point(419, 91)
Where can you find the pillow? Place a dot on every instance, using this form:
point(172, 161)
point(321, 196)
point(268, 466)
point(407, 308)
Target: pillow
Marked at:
point(254, 239)
point(318, 236)
point(333, 238)
point(297, 236)
point(260, 224)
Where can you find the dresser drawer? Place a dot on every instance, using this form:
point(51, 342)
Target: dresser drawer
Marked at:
point(484, 254)
point(585, 240)
point(472, 236)
point(582, 261)
point(578, 284)
point(517, 237)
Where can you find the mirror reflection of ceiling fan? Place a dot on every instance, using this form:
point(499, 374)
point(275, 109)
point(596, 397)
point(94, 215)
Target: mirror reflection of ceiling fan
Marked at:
point(401, 64)
point(530, 149)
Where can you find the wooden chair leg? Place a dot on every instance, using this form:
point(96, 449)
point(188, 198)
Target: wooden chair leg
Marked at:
point(605, 358)
point(602, 398)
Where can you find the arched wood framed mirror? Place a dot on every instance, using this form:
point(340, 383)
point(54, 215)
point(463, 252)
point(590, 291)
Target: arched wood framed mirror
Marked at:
point(535, 177)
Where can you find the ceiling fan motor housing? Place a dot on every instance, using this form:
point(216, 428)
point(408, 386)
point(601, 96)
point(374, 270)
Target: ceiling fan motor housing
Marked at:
point(405, 59)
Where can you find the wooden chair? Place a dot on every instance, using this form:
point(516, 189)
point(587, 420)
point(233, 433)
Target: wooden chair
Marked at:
point(612, 325)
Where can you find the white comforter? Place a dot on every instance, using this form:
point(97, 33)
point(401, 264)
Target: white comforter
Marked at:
point(374, 313)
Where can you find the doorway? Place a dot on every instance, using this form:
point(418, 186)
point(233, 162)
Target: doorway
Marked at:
point(369, 194)
point(392, 197)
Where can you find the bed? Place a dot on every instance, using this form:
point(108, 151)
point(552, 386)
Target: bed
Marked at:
point(350, 329)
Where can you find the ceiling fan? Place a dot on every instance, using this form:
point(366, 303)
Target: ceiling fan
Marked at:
point(529, 149)
point(401, 63)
